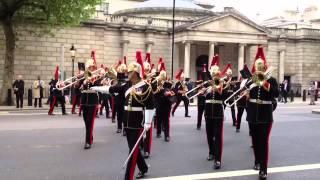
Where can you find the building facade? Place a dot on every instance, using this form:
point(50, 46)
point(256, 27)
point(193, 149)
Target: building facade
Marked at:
point(120, 28)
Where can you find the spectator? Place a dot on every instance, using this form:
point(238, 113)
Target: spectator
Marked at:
point(18, 89)
point(285, 90)
point(312, 92)
point(38, 92)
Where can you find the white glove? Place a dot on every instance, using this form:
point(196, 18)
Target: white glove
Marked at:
point(102, 89)
point(147, 126)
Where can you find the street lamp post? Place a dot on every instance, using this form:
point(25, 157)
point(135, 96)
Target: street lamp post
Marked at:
point(73, 56)
point(173, 33)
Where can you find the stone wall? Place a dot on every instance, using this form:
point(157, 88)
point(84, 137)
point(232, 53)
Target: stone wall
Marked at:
point(40, 55)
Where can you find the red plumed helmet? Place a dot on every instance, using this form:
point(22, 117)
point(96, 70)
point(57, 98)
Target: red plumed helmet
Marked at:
point(229, 66)
point(215, 60)
point(162, 67)
point(93, 56)
point(140, 61)
point(56, 73)
point(259, 57)
point(159, 63)
point(125, 60)
point(148, 58)
point(178, 75)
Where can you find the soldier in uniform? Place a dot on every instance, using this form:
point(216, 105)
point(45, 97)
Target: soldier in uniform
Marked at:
point(57, 95)
point(139, 110)
point(260, 111)
point(214, 95)
point(76, 90)
point(148, 76)
point(89, 101)
point(180, 90)
point(230, 87)
point(201, 98)
point(162, 96)
point(242, 102)
point(119, 99)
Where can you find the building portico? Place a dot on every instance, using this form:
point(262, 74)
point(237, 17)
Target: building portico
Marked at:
point(228, 35)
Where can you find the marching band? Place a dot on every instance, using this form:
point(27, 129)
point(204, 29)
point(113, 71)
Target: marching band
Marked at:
point(140, 94)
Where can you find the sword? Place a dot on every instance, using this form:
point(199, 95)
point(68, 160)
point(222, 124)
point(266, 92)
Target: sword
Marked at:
point(134, 147)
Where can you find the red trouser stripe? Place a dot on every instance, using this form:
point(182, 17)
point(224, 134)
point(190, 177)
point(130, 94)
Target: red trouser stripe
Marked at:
point(92, 122)
point(150, 139)
point(80, 109)
point(134, 160)
point(53, 103)
point(74, 103)
point(112, 107)
point(267, 156)
point(221, 148)
point(169, 124)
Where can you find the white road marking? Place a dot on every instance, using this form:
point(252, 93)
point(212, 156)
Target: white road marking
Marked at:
point(239, 173)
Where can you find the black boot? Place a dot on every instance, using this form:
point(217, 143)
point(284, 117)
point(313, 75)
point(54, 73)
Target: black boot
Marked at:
point(210, 157)
point(217, 165)
point(263, 175)
point(141, 175)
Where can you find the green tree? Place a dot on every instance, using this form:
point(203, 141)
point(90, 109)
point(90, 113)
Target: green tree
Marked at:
point(45, 13)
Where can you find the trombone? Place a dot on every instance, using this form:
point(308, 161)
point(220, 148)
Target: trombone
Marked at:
point(256, 80)
point(214, 82)
point(75, 79)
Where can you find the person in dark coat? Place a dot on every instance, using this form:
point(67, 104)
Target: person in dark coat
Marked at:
point(18, 89)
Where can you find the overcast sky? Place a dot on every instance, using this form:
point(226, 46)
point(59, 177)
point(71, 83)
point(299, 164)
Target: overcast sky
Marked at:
point(266, 8)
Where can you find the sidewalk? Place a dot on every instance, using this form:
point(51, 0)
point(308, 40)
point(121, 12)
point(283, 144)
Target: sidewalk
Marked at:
point(68, 106)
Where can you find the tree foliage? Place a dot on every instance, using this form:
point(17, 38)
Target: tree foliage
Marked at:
point(47, 14)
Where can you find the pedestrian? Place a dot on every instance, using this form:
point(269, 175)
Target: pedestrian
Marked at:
point(312, 92)
point(285, 90)
point(18, 89)
point(38, 92)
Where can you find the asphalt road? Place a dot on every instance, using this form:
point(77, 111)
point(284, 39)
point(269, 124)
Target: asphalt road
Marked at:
point(35, 146)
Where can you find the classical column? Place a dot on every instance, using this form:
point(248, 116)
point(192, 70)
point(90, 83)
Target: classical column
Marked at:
point(176, 59)
point(240, 58)
point(187, 47)
point(149, 47)
point(211, 51)
point(281, 65)
point(124, 48)
point(124, 41)
point(149, 40)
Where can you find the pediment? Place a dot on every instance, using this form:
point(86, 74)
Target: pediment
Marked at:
point(226, 23)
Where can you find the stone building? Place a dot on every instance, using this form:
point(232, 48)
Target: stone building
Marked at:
point(121, 27)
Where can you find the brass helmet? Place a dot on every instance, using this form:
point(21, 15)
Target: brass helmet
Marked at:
point(90, 63)
point(214, 70)
point(260, 65)
point(135, 67)
point(146, 67)
point(122, 68)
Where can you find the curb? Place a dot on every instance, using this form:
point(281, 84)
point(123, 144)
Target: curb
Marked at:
point(316, 111)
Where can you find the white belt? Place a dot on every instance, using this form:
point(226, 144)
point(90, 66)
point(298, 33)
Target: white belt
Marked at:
point(258, 101)
point(230, 91)
point(128, 108)
point(214, 101)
